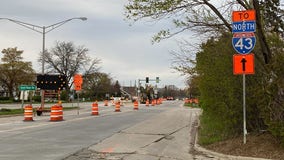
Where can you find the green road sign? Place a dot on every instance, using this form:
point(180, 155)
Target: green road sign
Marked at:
point(27, 87)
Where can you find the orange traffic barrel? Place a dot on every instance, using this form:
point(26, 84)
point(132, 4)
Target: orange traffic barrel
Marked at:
point(135, 105)
point(147, 102)
point(56, 113)
point(117, 107)
point(28, 114)
point(158, 101)
point(153, 102)
point(161, 101)
point(95, 108)
point(60, 110)
point(106, 102)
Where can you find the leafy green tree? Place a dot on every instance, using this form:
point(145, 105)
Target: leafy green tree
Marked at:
point(14, 71)
point(97, 85)
point(116, 89)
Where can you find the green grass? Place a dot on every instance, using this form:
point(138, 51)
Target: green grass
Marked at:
point(212, 130)
point(193, 105)
point(6, 111)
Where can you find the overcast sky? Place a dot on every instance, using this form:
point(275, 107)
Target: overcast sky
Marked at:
point(126, 52)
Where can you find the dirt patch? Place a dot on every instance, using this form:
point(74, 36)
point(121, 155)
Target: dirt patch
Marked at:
point(258, 145)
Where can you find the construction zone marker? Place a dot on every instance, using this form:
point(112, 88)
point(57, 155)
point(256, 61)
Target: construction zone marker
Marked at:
point(117, 107)
point(95, 108)
point(135, 105)
point(28, 114)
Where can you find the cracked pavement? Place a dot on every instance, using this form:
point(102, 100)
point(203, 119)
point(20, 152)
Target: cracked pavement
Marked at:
point(167, 136)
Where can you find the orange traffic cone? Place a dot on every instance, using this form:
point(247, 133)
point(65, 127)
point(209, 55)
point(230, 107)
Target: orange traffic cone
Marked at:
point(28, 115)
point(153, 102)
point(95, 108)
point(106, 102)
point(135, 105)
point(161, 101)
point(147, 102)
point(117, 107)
point(158, 101)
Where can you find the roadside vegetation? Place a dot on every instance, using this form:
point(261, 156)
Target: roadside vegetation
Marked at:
point(210, 68)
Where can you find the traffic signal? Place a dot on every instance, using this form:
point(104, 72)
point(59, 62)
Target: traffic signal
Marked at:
point(147, 79)
point(157, 80)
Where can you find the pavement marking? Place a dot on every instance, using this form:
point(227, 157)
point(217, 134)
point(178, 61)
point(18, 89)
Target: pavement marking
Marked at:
point(58, 122)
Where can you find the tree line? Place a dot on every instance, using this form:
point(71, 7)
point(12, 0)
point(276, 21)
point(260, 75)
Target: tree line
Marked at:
point(209, 67)
point(66, 59)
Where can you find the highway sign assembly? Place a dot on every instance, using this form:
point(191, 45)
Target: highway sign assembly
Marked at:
point(243, 41)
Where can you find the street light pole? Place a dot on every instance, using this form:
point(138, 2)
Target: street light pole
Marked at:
point(43, 30)
point(43, 49)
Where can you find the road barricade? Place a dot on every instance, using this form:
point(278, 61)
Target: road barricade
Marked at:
point(147, 103)
point(106, 103)
point(153, 103)
point(95, 108)
point(28, 114)
point(117, 107)
point(56, 113)
point(135, 105)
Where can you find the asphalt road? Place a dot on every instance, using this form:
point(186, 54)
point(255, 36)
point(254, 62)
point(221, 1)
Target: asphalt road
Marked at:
point(45, 140)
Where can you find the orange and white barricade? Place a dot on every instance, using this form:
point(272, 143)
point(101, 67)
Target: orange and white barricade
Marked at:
point(28, 114)
point(95, 108)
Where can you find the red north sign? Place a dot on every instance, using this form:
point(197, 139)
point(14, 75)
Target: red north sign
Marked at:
point(243, 64)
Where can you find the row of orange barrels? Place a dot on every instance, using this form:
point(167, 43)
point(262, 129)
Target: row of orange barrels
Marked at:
point(193, 100)
point(56, 111)
point(95, 109)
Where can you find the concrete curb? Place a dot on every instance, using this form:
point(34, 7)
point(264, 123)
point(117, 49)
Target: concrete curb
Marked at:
point(220, 155)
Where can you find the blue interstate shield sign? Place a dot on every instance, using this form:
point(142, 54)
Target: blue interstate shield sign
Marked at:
point(244, 42)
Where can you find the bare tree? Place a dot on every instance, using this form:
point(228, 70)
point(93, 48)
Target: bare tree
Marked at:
point(67, 59)
point(207, 17)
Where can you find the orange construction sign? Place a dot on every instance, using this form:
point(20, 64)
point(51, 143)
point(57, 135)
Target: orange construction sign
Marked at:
point(78, 81)
point(78, 78)
point(243, 64)
point(246, 15)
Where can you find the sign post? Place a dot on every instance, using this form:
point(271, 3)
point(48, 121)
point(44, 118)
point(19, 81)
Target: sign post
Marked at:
point(24, 88)
point(78, 81)
point(243, 41)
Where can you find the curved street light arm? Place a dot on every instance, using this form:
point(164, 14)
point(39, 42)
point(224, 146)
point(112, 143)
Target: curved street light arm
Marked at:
point(56, 25)
point(42, 31)
point(26, 25)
